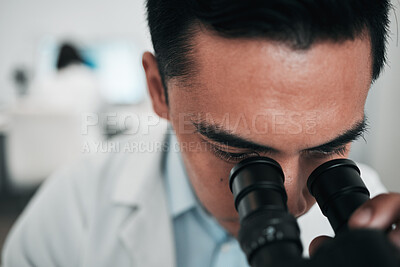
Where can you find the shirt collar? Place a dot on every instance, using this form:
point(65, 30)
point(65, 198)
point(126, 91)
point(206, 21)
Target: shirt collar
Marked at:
point(180, 193)
point(181, 196)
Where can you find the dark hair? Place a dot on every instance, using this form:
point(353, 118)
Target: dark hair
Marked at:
point(68, 55)
point(297, 23)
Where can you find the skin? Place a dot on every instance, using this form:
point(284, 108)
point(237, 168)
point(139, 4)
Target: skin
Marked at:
point(270, 93)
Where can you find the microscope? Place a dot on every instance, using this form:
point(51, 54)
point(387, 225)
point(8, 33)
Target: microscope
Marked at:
point(270, 236)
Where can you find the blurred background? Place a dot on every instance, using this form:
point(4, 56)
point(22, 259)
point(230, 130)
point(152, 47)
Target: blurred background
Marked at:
point(62, 59)
point(62, 65)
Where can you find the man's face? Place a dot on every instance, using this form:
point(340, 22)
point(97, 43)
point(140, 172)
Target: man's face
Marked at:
point(258, 97)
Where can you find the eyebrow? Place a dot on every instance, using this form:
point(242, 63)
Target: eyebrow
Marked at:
point(217, 134)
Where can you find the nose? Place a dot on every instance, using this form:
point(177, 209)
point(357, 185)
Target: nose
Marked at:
point(297, 171)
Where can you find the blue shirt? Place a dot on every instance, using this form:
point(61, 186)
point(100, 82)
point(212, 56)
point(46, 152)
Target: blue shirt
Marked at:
point(199, 239)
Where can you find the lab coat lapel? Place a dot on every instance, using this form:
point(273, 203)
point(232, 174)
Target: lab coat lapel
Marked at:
point(147, 234)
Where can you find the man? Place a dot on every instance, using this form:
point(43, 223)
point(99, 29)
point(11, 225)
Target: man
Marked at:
point(235, 79)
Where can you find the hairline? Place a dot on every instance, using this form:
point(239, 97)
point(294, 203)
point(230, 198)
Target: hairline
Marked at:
point(187, 81)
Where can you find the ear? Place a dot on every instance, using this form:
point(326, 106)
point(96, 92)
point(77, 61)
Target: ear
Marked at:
point(155, 85)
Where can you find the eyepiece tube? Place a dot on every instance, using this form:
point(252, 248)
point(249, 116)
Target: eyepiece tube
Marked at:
point(258, 183)
point(268, 235)
point(339, 191)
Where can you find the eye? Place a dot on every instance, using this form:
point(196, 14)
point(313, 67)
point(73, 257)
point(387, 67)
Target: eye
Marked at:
point(231, 157)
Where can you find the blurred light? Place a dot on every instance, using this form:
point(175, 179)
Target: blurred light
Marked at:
point(120, 72)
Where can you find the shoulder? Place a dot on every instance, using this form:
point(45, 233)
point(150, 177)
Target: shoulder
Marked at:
point(53, 230)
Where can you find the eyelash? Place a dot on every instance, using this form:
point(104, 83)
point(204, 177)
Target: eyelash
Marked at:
point(235, 157)
point(231, 157)
point(341, 151)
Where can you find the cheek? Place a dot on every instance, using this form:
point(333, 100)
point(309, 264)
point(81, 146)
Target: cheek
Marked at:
point(208, 175)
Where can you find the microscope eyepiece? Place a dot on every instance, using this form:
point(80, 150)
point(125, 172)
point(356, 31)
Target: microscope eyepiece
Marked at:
point(338, 189)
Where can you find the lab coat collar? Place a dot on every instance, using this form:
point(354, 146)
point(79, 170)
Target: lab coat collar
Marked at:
point(142, 167)
point(147, 234)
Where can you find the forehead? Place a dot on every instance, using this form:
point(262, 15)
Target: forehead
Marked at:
point(247, 77)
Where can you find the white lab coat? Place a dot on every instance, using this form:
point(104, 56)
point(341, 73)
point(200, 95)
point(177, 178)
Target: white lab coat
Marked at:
point(111, 210)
